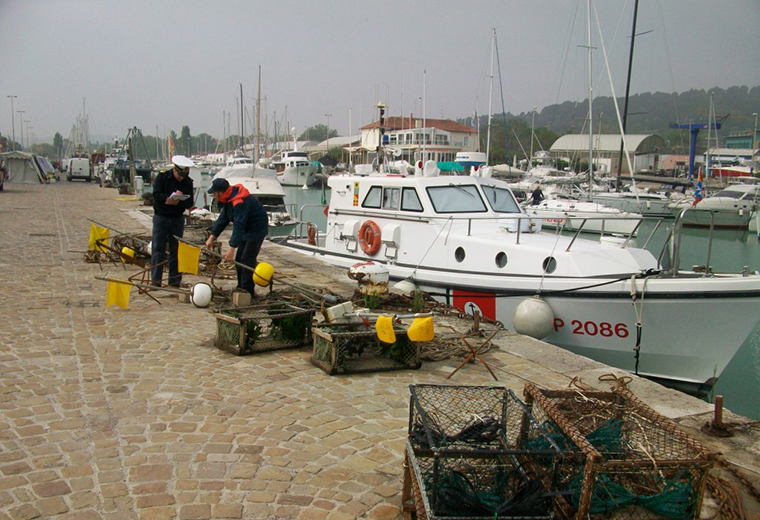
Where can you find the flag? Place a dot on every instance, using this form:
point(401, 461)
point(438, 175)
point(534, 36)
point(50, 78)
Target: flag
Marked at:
point(187, 258)
point(97, 233)
point(118, 294)
point(171, 147)
point(699, 190)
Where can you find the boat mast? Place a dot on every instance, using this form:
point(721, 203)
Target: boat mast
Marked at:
point(627, 93)
point(258, 116)
point(242, 121)
point(590, 109)
point(490, 98)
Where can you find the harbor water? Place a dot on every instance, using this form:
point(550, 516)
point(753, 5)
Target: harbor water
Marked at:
point(732, 250)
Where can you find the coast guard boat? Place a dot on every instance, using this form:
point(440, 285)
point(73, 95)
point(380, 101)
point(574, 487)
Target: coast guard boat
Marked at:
point(466, 241)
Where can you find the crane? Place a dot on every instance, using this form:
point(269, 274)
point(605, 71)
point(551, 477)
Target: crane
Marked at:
point(694, 129)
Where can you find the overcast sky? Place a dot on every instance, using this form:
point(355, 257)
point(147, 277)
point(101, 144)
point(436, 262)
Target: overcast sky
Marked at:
point(164, 64)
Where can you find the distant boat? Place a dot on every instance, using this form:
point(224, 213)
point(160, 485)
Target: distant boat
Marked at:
point(295, 169)
point(729, 208)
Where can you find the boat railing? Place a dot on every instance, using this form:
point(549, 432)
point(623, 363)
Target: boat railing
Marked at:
point(674, 239)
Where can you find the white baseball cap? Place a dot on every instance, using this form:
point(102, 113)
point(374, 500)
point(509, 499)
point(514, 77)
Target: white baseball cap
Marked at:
point(182, 161)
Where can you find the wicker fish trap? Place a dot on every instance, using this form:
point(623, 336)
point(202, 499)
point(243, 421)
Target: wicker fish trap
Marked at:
point(260, 328)
point(470, 454)
point(353, 349)
point(622, 459)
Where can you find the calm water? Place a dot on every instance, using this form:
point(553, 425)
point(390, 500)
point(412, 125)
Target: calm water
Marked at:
point(732, 250)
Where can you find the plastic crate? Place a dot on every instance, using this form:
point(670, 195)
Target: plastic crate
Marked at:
point(469, 455)
point(621, 458)
point(261, 328)
point(353, 349)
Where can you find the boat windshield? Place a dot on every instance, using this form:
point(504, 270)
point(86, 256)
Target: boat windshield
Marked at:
point(735, 194)
point(456, 199)
point(501, 200)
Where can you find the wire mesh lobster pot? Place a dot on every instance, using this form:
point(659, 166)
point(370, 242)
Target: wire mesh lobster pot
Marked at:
point(622, 459)
point(260, 328)
point(468, 455)
point(346, 350)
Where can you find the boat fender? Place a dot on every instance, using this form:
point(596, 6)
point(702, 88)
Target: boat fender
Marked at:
point(311, 232)
point(262, 275)
point(370, 237)
point(201, 294)
point(533, 317)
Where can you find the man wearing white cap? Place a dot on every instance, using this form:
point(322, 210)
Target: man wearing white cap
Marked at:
point(172, 195)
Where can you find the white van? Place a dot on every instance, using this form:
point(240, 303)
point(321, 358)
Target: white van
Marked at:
point(78, 168)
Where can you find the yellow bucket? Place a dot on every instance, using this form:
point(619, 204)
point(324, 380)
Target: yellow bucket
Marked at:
point(126, 251)
point(262, 275)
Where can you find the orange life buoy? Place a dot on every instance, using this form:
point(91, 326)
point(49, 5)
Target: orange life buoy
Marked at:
point(311, 232)
point(369, 237)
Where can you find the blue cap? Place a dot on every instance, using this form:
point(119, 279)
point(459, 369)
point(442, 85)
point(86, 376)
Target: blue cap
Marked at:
point(219, 185)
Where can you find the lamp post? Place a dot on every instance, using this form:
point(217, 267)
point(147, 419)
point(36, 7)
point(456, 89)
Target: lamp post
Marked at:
point(13, 125)
point(328, 116)
point(21, 125)
point(754, 139)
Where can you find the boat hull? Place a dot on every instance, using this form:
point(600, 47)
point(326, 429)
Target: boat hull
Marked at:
point(683, 339)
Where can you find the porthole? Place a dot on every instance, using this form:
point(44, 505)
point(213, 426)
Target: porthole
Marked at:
point(459, 254)
point(550, 264)
point(501, 259)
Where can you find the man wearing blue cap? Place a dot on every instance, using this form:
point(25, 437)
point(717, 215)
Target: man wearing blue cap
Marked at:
point(249, 228)
point(172, 195)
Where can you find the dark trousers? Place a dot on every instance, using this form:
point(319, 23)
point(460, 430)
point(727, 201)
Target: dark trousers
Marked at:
point(164, 230)
point(246, 254)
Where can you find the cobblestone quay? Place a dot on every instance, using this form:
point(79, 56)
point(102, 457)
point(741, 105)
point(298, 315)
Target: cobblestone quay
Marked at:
point(134, 414)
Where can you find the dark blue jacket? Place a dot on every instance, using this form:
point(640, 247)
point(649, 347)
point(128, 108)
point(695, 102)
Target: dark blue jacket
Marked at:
point(248, 216)
point(164, 185)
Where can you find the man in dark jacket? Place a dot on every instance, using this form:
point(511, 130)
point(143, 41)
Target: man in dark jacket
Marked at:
point(249, 227)
point(172, 195)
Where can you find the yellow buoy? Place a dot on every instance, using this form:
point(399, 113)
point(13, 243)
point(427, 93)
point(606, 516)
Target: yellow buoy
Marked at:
point(263, 273)
point(421, 329)
point(384, 328)
point(126, 251)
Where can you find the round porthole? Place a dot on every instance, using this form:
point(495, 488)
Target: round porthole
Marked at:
point(459, 254)
point(501, 259)
point(550, 264)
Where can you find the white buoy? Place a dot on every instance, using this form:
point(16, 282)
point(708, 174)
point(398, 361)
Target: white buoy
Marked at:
point(533, 317)
point(201, 294)
point(405, 287)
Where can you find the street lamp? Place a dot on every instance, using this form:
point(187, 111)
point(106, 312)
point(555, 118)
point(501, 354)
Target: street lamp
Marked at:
point(28, 144)
point(13, 125)
point(21, 125)
point(328, 116)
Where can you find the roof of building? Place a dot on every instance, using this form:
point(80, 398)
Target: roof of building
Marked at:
point(608, 142)
point(408, 123)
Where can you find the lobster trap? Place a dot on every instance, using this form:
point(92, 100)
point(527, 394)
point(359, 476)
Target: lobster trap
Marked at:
point(469, 455)
point(352, 348)
point(621, 458)
point(260, 328)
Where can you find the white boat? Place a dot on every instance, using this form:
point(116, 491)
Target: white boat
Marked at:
point(636, 201)
point(295, 169)
point(262, 184)
point(466, 241)
point(731, 207)
point(591, 217)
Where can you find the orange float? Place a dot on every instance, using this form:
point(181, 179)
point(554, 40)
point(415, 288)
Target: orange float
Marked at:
point(369, 237)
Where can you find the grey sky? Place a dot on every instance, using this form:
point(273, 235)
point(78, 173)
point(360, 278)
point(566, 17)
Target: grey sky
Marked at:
point(157, 63)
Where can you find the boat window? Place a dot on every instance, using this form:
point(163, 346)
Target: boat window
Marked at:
point(410, 201)
point(372, 199)
point(730, 194)
point(501, 200)
point(456, 199)
point(391, 198)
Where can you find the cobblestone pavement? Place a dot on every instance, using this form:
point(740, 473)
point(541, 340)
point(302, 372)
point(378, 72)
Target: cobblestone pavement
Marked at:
point(134, 414)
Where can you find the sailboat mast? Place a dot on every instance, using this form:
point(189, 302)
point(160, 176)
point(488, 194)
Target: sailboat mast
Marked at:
point(627, 93)
point(490, 99)
point(590, 109)
point(242, 120)
point(258, 116)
